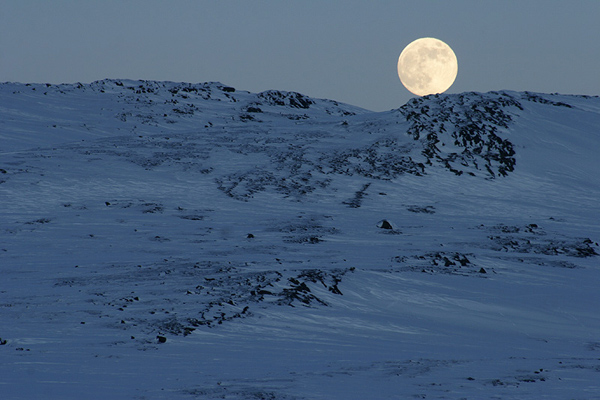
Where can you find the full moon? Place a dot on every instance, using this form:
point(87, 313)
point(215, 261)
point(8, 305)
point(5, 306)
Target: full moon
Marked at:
point(427, 66)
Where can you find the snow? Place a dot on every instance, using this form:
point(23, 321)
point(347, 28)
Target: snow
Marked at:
point(243, 229)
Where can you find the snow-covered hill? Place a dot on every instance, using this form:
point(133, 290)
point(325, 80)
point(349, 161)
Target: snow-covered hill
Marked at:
point(169, 240)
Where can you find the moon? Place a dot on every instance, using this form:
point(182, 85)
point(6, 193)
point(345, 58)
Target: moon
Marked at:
point(427, 66)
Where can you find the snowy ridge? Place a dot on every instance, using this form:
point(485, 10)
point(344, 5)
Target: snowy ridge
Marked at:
point(153, 105)
point(175, 240)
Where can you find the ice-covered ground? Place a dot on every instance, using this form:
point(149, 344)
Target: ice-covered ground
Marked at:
point(165, 240)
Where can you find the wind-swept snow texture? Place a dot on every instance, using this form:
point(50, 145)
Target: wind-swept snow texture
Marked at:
point(165, 240)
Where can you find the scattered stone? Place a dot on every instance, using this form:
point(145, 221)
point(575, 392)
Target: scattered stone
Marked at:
point(384, 224)
point(358, 197)
point(471, 125)
point(418, 209)
point(39, 221)
point(440, 262)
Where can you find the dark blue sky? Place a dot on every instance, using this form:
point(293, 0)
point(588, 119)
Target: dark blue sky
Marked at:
point(344, 50)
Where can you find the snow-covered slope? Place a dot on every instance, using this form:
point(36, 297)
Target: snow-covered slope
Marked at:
point(172, 240)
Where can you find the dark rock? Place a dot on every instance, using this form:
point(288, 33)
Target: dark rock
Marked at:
point(447, 262)
point(417, 209)
point(358, 197)
point(384, 224)
point(335, 290)
point(161, 339)
point(482, 271)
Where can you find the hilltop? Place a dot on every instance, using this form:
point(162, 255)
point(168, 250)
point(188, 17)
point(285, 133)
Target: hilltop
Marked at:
point(177, 240)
